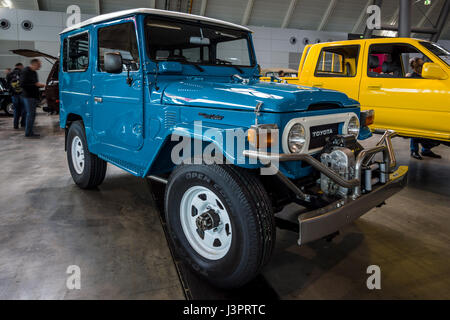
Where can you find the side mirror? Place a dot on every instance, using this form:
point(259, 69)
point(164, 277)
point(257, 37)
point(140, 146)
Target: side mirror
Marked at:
point(433, 71)
point(113, 62)
point(172, 67)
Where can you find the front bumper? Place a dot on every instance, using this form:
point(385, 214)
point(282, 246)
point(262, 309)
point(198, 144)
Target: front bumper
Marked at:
point(318, 223)
point(326, 220)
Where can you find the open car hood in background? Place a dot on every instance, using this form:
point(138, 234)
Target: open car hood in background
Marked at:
point(32, 54)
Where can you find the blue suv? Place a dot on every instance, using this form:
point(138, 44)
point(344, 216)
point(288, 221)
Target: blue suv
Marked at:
point(177, 98)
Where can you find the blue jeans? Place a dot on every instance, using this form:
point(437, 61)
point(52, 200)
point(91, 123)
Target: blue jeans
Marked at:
point(30, 107)
point(19, 111)
point(427, 144)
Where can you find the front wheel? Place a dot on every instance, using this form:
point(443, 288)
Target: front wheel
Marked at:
point(87, 170)
point(221, 221)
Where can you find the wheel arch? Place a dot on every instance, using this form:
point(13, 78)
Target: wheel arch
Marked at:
point(162, 162)
point(68, 120)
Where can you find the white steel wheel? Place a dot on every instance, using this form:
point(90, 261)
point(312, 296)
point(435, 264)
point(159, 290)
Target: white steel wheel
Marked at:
point(77, 155)
point(205, 222)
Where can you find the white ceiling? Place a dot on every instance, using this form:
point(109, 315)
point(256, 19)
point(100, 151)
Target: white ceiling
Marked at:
point(307, 14)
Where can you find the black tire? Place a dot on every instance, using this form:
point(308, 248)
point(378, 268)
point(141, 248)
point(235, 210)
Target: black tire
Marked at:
point(94, 169)
point(251, 217)
point(9, 108)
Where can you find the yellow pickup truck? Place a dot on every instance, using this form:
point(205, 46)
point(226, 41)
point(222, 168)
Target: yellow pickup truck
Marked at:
point(376, 72)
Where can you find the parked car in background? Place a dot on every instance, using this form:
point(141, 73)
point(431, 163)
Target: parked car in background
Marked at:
point(136, 82)
point(286, 72)
point(50, 95)
point(5, 98)
point(376, 73)
point(274, 74)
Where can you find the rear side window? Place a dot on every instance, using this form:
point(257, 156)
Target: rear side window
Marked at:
point(337, 62)
point(119, 38)
point(76, 53)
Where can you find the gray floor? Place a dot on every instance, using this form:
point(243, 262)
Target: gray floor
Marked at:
point(114, 235)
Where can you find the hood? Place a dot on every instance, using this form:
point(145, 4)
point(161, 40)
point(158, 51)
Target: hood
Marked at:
point(276, 97)
point(32, 54)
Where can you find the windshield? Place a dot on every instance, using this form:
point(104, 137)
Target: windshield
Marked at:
point(443, 54)
point(197, 43)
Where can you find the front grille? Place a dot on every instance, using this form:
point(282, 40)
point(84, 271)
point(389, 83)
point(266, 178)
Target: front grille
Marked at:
point(319, 134)
point(323, 106)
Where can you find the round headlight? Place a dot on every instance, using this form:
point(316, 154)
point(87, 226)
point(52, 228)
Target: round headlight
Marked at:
point(296, 138)
point(353, 126)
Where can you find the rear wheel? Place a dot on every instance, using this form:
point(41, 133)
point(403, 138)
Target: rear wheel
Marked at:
point(221, 222)
point(87, 170)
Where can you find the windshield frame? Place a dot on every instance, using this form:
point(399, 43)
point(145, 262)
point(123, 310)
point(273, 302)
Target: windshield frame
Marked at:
point(438, 46)
point(248, 38)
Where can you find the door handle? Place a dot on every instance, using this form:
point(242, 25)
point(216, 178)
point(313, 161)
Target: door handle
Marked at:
point(374, 87)
point(98, 99)
point(319, 84)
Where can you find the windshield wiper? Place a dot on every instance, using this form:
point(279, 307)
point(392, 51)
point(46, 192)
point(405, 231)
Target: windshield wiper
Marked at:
point(199, 68)
point(238, 69)
point(229, 64)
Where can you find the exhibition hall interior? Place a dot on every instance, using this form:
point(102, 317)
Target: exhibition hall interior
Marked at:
point(225, 150)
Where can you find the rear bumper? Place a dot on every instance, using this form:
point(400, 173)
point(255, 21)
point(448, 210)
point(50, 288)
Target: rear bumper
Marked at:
point(319, 223)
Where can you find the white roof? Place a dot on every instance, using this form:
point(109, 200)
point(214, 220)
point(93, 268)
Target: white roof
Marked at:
point(166, 13)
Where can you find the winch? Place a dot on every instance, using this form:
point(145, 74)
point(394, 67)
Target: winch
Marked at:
point(339, 155)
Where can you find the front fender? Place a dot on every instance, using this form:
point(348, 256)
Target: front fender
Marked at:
point(205, 139)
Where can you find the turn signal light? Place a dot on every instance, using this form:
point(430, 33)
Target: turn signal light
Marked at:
point(263, 135)
point(367, 117)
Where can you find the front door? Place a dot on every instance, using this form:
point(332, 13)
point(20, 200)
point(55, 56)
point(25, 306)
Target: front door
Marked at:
point(404, 102)
point(117, 99)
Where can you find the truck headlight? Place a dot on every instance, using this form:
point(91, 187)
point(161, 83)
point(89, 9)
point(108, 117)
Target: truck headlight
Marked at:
point(353, 126)
point(296, 138)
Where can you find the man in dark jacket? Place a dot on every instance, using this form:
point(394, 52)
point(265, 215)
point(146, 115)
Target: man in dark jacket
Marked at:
point(13, 80)
point(30, 86)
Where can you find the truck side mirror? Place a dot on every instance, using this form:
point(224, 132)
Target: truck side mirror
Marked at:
point(433, 71)
point(113, 62)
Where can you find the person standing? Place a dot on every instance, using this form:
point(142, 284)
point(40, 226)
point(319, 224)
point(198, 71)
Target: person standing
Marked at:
point(30, 93)
point(13, 80)
point(416, 64)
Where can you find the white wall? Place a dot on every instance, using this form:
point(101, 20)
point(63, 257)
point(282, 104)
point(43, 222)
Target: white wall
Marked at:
point(272, 45)
point(44, 36)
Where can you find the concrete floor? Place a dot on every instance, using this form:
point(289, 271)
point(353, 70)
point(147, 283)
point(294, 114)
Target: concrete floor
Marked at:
point(114, 234)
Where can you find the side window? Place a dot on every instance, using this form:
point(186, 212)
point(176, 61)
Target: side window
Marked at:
point(119, 38)
point(337, 62)
point(394, 61)
point(76, 53)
